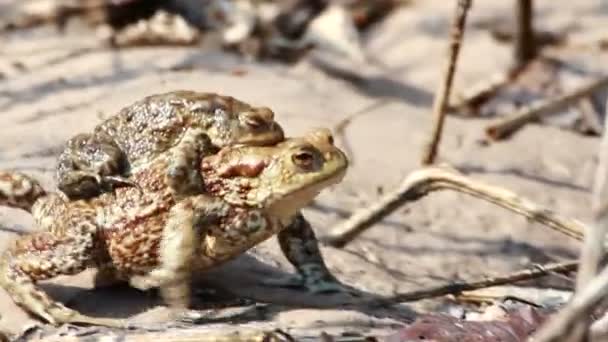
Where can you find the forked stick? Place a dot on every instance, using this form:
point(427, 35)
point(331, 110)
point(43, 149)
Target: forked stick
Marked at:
point(424, 181)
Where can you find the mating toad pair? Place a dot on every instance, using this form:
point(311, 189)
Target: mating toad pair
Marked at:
point(173, 184)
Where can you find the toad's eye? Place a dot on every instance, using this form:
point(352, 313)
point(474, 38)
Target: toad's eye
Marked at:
point(253, 120)
point(303, 159)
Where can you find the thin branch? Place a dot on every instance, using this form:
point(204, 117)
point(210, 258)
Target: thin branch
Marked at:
point(422, 182)
point(525, 42)
point(471, 98)
point(443, 93)
point(341, 126)
point(579, 306)
point(592, 251)
point(536, 110)
point(593, 248)
point(546, 297)
point(458, 287)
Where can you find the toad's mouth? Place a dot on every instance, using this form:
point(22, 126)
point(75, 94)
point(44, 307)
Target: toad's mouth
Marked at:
point(285, 204)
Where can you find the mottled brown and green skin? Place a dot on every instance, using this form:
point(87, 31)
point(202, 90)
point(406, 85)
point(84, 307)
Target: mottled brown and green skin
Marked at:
point(97, 162)
point(143, 235)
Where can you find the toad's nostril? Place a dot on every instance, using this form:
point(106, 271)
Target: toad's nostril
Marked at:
point(253, 120)
point(266, 113)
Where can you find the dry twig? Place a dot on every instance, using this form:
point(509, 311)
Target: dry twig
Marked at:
point(581, 304)
point(341, 126)
point(591, 254)
point(525, 42)
point(469, 99)
point(443, 93)
point(458, 287)
point(421, 182)
point(536, 110)
point(546, 297)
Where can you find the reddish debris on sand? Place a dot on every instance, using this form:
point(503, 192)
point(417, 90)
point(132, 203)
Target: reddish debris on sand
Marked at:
point(515, 326)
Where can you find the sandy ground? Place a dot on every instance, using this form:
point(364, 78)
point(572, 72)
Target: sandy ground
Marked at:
point(54, 88)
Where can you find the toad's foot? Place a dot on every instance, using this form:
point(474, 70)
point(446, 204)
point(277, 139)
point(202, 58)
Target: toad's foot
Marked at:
point(113, 182)
point(86, 166)
point(86, 184)
point(312, 285)
point(183, 174)
point(300, 246)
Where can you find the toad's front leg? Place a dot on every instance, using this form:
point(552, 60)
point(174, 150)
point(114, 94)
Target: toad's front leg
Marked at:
point(91, 164)
point(183, 175)
point(300, 246)
point(187, 225)
point(44, 255)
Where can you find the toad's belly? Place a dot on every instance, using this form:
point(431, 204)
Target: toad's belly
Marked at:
point(134, 249)
point(241, 232)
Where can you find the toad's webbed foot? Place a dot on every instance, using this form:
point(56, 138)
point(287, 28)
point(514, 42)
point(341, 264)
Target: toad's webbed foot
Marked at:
point(183, 175)
point(89, 165)
point(316, 284)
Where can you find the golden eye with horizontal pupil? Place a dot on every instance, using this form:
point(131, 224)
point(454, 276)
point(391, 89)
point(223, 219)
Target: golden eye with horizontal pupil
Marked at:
point(253, 120)
point(303, 159)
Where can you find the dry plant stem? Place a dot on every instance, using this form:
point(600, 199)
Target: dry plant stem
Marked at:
point(443, 93)
point(421, 182)
point(593, 248)
point(579, 307)
point(517, 120)
point(574, 318)
point(480, 92)
point(495, 281)
point(341, 126)
point(535, 296)
point(525, 44)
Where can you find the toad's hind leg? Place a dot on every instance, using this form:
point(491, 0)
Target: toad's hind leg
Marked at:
point(183, 174)
point(18, 190)
point(301, 248)
point(187, 225)
point(44, 255)
point(90, 165)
